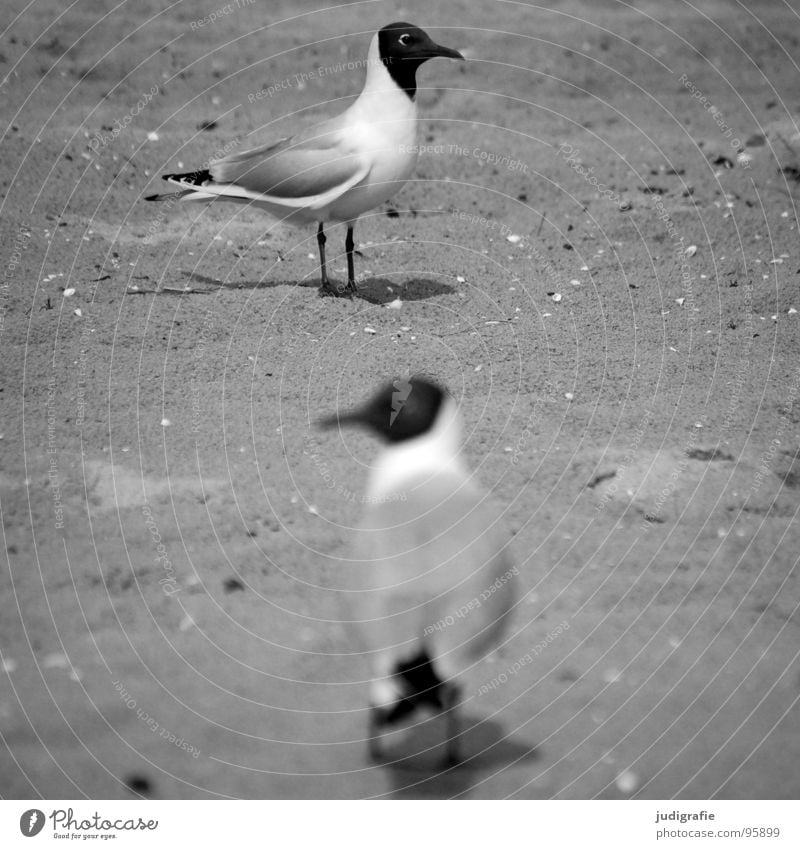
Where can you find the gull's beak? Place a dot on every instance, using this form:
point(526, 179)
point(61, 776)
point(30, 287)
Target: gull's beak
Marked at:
point(349, 417)
point(446, 52)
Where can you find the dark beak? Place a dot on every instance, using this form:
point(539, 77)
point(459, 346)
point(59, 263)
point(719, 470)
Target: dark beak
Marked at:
point(350, 417)
point(446, 52)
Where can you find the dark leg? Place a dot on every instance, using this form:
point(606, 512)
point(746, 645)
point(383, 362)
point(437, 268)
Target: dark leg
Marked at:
point(325, 287)
point(351, 270)
point(451, 698)
point(375, 734)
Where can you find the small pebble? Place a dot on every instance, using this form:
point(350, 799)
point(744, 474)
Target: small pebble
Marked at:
point(68, 293)
point(232, 585)
point(165, 422)
point(139, 784)
point(556, 297)
point(691, 250)
point(395, 304)
point(514, 239)
point(461, 279)
point(370, 330)
point(152, 136)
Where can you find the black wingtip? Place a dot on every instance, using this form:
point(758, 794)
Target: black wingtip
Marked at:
point(190, 178)
point(152, 197)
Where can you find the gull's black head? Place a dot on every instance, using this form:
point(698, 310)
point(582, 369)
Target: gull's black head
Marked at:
point(403, 48)
point(403, 409)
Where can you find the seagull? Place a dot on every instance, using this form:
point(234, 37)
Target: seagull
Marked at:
point(338, 169)
point(431, 584)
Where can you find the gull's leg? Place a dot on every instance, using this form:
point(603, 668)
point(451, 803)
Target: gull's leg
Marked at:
point(450, 707)
point(376, 717)
point(325, 286)
point(349, 244)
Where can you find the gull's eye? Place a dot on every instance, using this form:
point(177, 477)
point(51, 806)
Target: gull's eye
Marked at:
point(405, 39)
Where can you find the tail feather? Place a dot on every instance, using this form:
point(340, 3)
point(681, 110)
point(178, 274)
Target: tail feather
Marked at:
point(194, 180)
point(172, 195)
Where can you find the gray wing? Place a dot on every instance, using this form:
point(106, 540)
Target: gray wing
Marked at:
point(310, 170)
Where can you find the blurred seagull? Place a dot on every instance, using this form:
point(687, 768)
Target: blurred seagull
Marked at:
point(338, 169)
point(431, 583)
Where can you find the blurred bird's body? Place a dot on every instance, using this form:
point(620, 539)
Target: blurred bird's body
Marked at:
point(431, 578)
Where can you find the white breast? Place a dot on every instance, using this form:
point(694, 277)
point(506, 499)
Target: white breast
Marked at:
point(382, 126)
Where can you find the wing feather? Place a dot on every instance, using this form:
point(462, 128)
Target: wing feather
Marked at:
point(309, 170)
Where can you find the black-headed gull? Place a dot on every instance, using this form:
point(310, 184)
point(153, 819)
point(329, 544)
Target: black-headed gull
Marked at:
point(431, 582)
point(338, 169)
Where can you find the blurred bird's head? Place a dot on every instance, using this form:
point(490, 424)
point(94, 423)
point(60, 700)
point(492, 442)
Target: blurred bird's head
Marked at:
point(401, 410)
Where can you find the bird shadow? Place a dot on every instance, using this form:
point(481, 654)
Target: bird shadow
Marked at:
point(380, 290)
point(416, 769)
point(373, 290)
point(215, 285)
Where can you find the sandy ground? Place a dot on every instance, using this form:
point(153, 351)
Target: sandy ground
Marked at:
point(599, 255)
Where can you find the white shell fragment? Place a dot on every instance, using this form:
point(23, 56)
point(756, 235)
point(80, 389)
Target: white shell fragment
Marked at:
point(627, 782)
